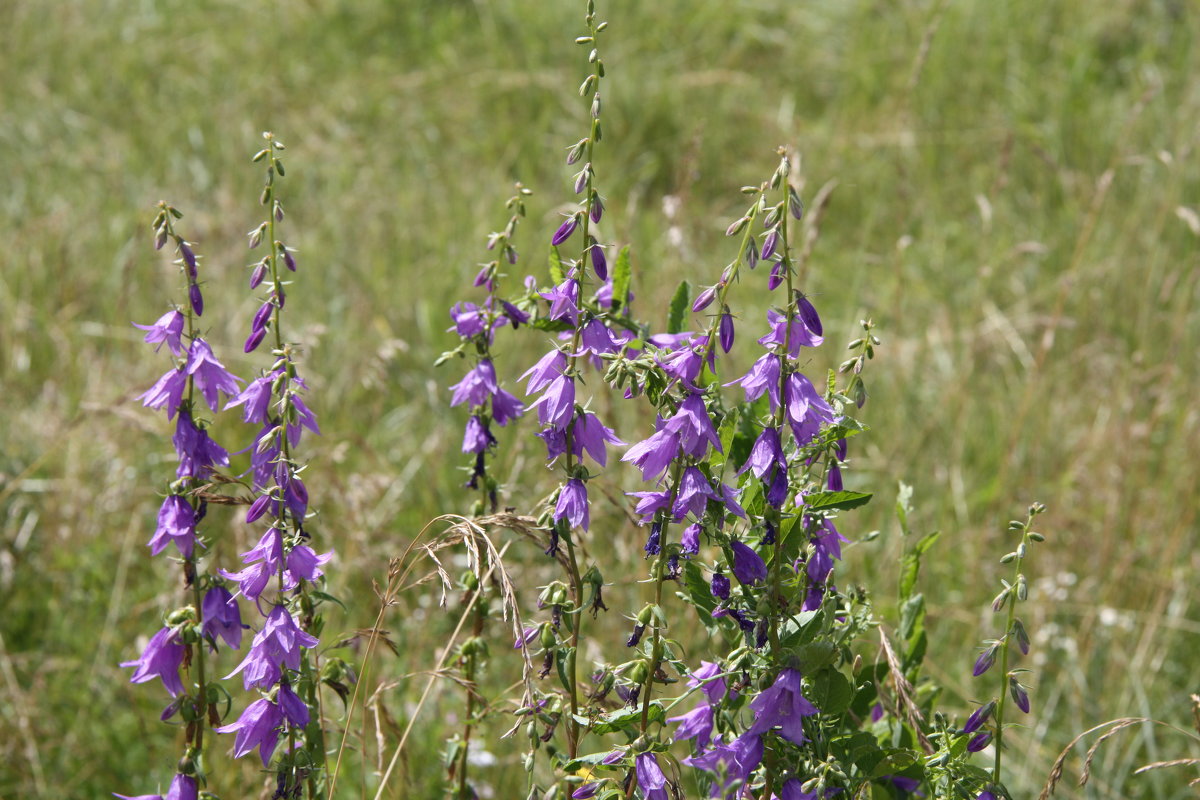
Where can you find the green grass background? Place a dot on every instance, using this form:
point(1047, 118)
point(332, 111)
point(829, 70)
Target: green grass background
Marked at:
point(1016, 209)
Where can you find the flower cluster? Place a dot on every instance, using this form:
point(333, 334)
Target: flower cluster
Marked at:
point(212, 613)
point(277, 665)
point(476, 326)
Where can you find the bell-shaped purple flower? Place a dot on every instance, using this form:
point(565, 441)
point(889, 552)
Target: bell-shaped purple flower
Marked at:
point(573, 504)
point(766, 453)
point(694, 426)
point(720, 586)
point(303, 563)
point(693, 494)
point(255, 399)
point(167, 391)
point(176, 523)
point(564, 301)
point(653, 455)
point(293, 708)
point(166, 330)
point(736, 760)
point(477, 438)
point(798, 336)
point(222, 617)
point(689, 540)
point(590, 434)
point(209, 374)
point(696, 724)
point(557, 403)
point(748, 566)
point(161, 659)
point(305, 418)
point(476, 386)
point(782, 706)
point(978, 717)
point(650, 778)
point(979, 741)
point(548, 367)
point(762, 377)
point(257, 727)
point(506, 407)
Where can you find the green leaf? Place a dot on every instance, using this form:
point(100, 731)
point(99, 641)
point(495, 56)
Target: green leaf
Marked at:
point(591, 759)
point(698, 589)
point(904, 506)
point(893, 761)
point(561, 660)
point(679, 307)
point(622, 278)
point(912, 616)
point(626, 718)
point(792, 539)
point(551, 325)
point(824, 501)
point(801, 628)
point(910, 564)
point(830, 692)
point(815, 655)
point(556, 267)
point(317, 594)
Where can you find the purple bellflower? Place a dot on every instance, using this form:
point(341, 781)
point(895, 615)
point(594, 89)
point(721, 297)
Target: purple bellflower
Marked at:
point(573, 504)
point(166, 330)
point(209, 374)
point(161, 659)
point(748, 566)
point(257, 727)
point(650, 777)
point(782, 706)
point(222, 617)
point(176, 523)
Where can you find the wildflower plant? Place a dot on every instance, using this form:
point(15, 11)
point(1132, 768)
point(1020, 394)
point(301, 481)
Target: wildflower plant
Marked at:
point(281, 576)
point(741, 510)
point(188, 639)
point(750, 664)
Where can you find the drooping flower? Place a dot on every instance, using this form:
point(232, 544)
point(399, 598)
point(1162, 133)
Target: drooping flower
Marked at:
point(693, 494)
point(696, 724)
point(650, 778)
point(737, 760)
point(799, 334)
point(748, 566)
point(557, 404)
point(548, 367)
point(166, 330)
point(652, 455)
point(276, 645)
point(161, 659)
point(689, 540)
point(477, 438)
point(257, 727)
point(590, 434)
point(573, 504)
point(506, 407)
point(222, 617)
point(762, 377)
point(978, 717)
point(197, 451)
point(694, 426)
point(766, 453)
point(782, 706)
point(176, 523)
point(476, 386)
point(209, 374)
point(167, 391)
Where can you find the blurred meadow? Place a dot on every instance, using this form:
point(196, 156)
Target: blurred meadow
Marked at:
point(1017, 207)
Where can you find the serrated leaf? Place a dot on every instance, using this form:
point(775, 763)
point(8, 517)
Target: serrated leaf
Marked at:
point(825, 501)
point(622, 279)
point(830, 691)
point(679, 306)
point(556, 268)
point(698, 589)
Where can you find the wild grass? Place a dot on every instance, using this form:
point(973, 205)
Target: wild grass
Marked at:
point(1017, 208)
